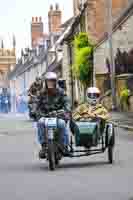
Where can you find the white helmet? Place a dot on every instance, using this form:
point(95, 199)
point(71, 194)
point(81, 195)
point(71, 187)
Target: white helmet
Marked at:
point(51, 76)
point(93, 95)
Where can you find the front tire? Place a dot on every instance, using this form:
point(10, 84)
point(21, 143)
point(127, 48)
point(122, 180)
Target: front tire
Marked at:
point(111, 148)
point(110, 142)
point(110, 154)
point(51, 156)
point(56, 159)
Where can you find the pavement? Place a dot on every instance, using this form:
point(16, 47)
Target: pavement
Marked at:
point(122, 120)
point(17, 122)
point(24, 177)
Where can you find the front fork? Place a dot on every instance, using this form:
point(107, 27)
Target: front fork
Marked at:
point(49, 136)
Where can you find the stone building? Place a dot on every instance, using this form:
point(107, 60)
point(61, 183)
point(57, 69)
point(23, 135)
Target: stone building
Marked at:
point(122, 48)
point(7, 62)
point(90, 16)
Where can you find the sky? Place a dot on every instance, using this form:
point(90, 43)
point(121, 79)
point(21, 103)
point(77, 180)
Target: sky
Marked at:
point(16, 15)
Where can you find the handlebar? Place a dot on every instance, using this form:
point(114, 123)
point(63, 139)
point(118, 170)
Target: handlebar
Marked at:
point(59, 114)
point(96, 118)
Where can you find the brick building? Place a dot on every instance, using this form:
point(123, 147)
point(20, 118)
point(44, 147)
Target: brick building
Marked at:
point(37, 33)
point(96, 14)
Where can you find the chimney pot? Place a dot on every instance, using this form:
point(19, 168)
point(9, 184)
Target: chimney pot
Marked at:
point(57, 6)
point(51, 7)
point(40, 19)
point(36, 19)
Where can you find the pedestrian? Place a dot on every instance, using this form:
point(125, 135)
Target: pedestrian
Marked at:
point(4, 101)
point(0, 100)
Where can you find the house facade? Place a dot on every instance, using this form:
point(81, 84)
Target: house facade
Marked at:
point(91, 17)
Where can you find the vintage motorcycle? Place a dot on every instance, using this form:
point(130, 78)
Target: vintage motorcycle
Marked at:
point(91, 136)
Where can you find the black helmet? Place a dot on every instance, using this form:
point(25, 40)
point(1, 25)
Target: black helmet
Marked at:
point(62, 83)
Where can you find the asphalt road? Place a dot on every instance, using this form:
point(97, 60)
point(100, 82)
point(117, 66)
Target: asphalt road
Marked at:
point(24, 177)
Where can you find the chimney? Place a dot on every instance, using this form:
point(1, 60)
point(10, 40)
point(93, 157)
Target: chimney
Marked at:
point(40, 19)
point(55, 18)
point(36, 30)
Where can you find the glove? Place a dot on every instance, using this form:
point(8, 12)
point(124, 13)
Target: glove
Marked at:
point(42, 119)
point(60, 111)
point(67, 115)
point(51, 114)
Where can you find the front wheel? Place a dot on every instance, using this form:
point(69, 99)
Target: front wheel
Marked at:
point(110, 154)
point(56, 159)
point(51, 155)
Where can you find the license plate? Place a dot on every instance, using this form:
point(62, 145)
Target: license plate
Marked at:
point(50, 134)
point(51, 122)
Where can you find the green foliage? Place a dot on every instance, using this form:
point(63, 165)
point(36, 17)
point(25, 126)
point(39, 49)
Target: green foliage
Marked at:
point(124, 95)
point(83, 63)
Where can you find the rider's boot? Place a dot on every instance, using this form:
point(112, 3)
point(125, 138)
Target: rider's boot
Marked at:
point(42, 153)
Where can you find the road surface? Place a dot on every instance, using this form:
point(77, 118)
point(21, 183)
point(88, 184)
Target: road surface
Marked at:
point(24, 177)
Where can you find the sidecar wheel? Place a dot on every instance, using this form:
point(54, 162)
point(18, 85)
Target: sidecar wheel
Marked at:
point(110, 154)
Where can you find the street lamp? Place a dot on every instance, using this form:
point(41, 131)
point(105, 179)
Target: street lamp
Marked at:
point(110, 31)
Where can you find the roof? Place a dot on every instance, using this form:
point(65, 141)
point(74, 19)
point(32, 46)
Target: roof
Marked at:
point(31, 60)
point(66, 23)
point(54, 65)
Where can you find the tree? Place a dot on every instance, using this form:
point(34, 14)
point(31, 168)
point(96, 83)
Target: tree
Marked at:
point(83, 58)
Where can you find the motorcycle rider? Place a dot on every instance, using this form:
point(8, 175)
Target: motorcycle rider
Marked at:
point(36, 86)
point(52, 99)
point(34, 91)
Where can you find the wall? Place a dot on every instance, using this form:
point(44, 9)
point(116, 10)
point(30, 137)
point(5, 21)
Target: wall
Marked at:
point(122, 39)
point(121, 83)
point(66, 69)
point(131, 104)
point(100, 80)
point(97, 15)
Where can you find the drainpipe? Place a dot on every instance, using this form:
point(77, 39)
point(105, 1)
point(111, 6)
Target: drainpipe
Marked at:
point(71, 73)
point(111, 52)
point(93, 71)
